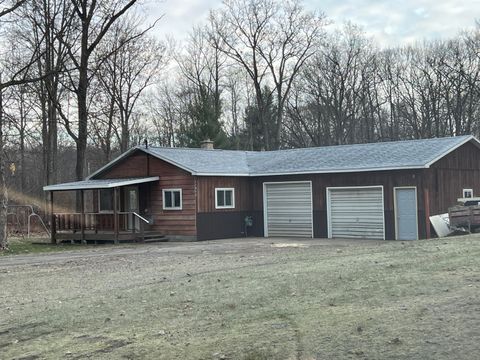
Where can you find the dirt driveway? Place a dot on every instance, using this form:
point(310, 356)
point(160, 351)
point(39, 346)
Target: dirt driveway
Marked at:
point(229, 246)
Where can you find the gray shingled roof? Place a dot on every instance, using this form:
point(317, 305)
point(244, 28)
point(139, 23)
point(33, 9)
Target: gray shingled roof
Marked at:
point(361, 157)
point(201, 160)
point(411, 154)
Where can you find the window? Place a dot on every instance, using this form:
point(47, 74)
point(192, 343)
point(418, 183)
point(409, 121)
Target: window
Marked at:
point(105, 200)
point(224, 198)
point(467, 193)
point(172, 199)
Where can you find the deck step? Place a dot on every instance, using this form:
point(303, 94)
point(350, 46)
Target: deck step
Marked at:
point(149, 237)
point(154, 237)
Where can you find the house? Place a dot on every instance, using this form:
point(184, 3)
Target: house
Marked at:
point(375, 191)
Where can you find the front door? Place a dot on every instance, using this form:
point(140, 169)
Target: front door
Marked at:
point(131, 206)
point(406, 213)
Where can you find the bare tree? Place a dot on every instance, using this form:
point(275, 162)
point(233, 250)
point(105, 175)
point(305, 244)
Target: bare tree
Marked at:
point(327, 102)
point(10, 76)
point(271, 41)
point(126, 74)
point(201, 66)
point(94, 20)
point(165, 115)
point(42, 24)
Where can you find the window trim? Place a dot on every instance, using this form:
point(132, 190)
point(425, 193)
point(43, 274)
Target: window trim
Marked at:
point(173, 207)
point(110, 211)
point(225, 206)
point(463, 193)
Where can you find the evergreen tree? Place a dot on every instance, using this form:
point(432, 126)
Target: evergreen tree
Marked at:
point(204, 122)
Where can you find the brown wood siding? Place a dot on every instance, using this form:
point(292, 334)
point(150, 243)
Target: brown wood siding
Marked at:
point(206, 193)
point(168, 222)
point(388, 179)
point(450, 175)
point(133, 166)
point(249, 198)
point(320, 182)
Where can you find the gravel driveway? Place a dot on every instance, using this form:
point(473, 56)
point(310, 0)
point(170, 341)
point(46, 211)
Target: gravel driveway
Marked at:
point(237, 246)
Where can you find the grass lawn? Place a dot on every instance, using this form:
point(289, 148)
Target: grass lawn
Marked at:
point(38, 245)
point(260, 300)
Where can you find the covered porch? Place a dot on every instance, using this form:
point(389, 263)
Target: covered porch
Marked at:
point(106, 210)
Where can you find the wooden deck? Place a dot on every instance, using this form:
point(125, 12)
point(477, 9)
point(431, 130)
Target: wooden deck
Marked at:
point(103, 237)
point(93, 227)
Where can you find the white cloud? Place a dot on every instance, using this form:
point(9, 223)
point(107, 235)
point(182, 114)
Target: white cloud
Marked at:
point(389, 30)
point(395, 23)
point(179, 16)
point(390, 22)
point(421, 12)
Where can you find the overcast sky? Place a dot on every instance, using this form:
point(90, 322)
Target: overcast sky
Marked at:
point(390, 22)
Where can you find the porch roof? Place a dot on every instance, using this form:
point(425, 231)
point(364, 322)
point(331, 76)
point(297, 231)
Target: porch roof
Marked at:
point(99, 184)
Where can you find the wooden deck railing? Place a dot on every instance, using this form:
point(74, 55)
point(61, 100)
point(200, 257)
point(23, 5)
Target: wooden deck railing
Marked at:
point(127, 221)
point(112, 223)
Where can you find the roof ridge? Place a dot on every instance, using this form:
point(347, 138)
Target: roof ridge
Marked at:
point(194, 149)
point(311, 147)
point(376, 143)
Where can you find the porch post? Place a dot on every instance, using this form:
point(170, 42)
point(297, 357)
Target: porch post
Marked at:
point(115, 213)
point(53, 223)
point(82, 216)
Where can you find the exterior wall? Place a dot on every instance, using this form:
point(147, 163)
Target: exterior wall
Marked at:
point(320, 182)
point(222, 223)
point(448, 176)
point(206, 193)
point(177, 223)
point(214, 223)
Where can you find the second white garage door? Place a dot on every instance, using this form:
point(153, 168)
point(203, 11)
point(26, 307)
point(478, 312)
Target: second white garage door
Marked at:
point(288, 209)
point(356, 212)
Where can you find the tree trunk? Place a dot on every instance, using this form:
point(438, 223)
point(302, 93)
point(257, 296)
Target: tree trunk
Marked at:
point(82, 93)
point(52, 134)
point(261, 116)
point(3, 185)
point(82, 105)
point(22, 142)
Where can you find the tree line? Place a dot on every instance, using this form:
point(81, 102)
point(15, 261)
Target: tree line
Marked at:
point(83, 80)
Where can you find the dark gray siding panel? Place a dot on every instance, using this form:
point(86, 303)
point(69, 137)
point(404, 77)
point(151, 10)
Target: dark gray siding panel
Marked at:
point(222, 225)
point(389, 225)
point(320, 223)
point(422, 225)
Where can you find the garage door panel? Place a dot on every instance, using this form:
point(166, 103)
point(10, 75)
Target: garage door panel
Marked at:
point(288, 209)
point(356, 213)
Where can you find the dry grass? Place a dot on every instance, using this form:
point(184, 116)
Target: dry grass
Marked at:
point(37, 245)
point(261, 301)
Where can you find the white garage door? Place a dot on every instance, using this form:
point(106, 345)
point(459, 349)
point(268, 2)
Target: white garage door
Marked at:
point(288, 209)
point(356, 212)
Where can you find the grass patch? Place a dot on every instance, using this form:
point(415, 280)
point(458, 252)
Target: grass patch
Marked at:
point(22, 246)
point(394, 300)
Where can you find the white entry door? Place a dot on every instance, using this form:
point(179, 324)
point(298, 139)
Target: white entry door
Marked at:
point(356, 212)
point(406, 224)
